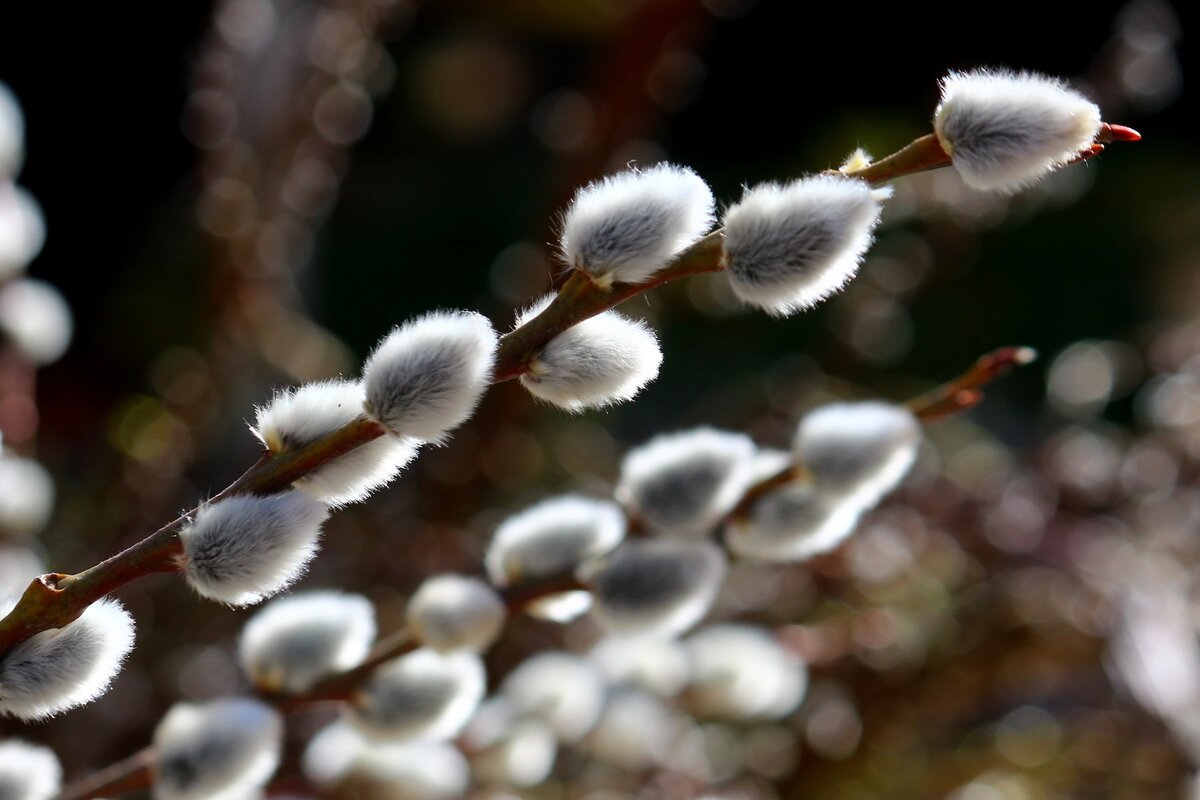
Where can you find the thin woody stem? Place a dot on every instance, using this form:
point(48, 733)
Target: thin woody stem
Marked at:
point(56, 599)
point(966, 390)
point(131, 774)
point(134, 773)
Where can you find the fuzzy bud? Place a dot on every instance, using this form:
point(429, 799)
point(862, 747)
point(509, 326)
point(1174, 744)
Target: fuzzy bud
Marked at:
point(299, 417)
point(564, 690)
point(652, 663)
point(401, 770)
point(791, 246)
point(452, 612)
point(600, 361)
point(626, 227)
point(223, 750)
point(244, 549)
point(18, 567)
point(656, 586)
point(423, 695)
point(635, 731)
point(12, 138)
point(61, 668)
point(792, 524)
point(857, 452)
point(552, 539)
point(293, 642)
point(682, 483)
point(34, 315)
point(425, 378)
point(523, 756)
point(26, 495)
point(22, 229)
point(28, 771)
point(741, 672)
point(1004, 130)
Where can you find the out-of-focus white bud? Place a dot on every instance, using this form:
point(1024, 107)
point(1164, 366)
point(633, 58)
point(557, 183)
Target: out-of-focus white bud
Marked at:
point(649, 662)
point(12, 133)
point(223, 750)
point(425, 378)
point(552, 539)
point(417, 770)
point(452, 612)
point(657, 586)
point(562, 689)
point(791, 524)
point(296, 641)
point(602, 360)
point(857, 452)
point(26, 495)
point(791, 246)
point(741, 672)
point(244, 549)
point(626, 227)
point(61, 668)
point(27, 771)
point(524, 755)
point(301, 416)
point(1004, 130)
point(18, 568)
point(22, 229)
point(34, 315)
point(423, 695)
point(635, 731)
point(683, 483)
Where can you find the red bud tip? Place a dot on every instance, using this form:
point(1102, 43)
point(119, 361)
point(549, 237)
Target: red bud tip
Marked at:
point(1118, 133)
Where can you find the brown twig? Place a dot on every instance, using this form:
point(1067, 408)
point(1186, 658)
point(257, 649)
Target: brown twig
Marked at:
point(131, 774)
point(966, 390)
point(134, 773)
point(55, 599)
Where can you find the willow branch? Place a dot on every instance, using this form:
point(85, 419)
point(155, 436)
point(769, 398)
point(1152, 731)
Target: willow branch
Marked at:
point(56, 599)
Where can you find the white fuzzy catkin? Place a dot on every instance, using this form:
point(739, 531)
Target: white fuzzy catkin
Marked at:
point(299, 417)
point(656, 586)
point(425, 378)
point(397, 770)
point(26, 495)
point(28, 771)
point(553, 538)
point(244, 549)
point(626, 227)
point(18, 567)
point(454, 612)
point(635, 731)
point(293, 642)
point(792, 523)
point(600, 361)
point(652, 663)
point(222, 750)
point(741, 672)
point(791, 246)
point(22, 229)
point(1004, 130)
point(12, 133)
point(682, 483)
point(61, 668)
point(34, 315)
point(564, 690)
point(523, 756)
point(423, 695)
point(857, 452)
